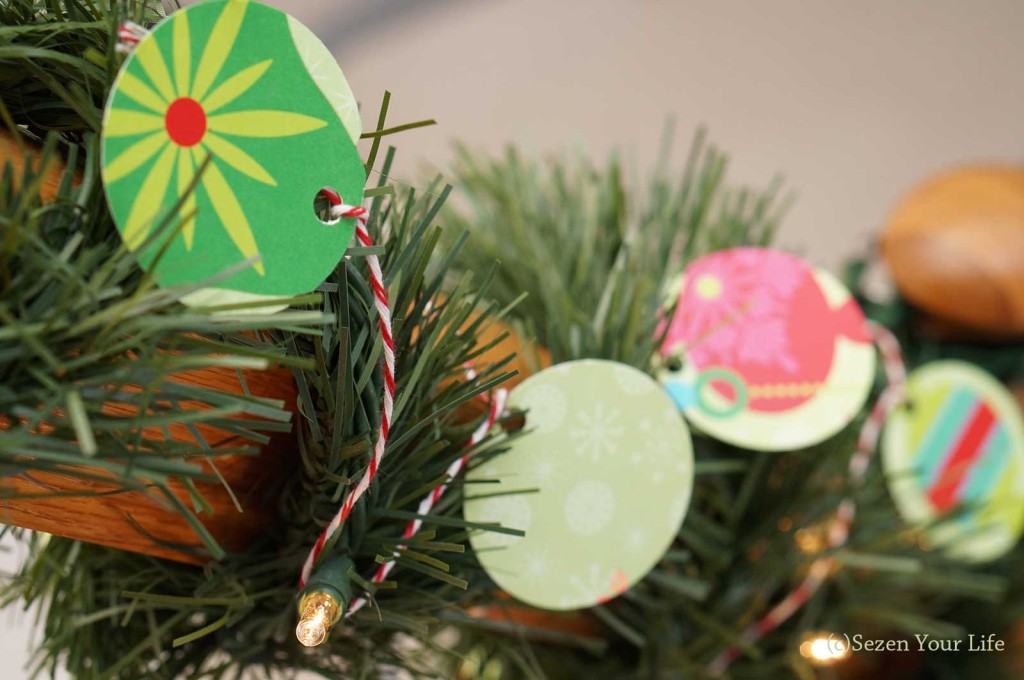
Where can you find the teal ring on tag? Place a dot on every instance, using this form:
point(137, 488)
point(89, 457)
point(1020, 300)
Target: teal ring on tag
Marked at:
point(734, 380)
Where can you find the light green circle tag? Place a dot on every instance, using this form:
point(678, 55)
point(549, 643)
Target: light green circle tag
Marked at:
point(611, 463)
point(223, 124)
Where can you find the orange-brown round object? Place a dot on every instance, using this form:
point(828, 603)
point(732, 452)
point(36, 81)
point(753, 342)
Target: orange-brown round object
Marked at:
point(955, 246)
point(528, 358)
point(20, 152)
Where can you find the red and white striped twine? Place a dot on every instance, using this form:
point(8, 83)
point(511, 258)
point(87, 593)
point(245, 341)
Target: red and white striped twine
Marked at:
point(867, 442)
point(494, 411)
point(128, 36)
point(340, 211)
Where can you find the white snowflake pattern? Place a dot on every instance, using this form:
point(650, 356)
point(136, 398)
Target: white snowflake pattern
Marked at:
point(632, 381)
point(545, 470)
point(590, 585)
point(658, 449)
point(660, 454)
point(589, 507)
point(636, 539)
point(488, 471)
point(536, 565)
point(670, 414)
point(545, 406)
point(597, 432)
point(510, 512)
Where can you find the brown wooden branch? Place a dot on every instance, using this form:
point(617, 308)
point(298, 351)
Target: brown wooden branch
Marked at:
point(91, 509)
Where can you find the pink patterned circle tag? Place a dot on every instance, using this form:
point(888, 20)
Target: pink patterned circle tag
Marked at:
point(765, 351)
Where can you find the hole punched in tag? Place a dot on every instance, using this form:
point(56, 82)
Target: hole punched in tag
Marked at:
point(323, 203)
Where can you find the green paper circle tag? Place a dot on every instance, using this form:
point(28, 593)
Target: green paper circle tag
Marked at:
point(244, 103)
point(955, 455)
point(611, 463)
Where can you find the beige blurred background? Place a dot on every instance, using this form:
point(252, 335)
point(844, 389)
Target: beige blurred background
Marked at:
point(851, 102)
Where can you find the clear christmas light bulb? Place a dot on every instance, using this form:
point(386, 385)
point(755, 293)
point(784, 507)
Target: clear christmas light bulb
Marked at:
point(319, 612)
point(824, 649)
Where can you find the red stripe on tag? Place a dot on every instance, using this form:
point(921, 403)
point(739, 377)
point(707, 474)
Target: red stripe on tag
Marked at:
point(944, 492)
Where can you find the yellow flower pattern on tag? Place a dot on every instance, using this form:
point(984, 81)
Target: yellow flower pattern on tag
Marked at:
point(184, 128)
point(223, 124)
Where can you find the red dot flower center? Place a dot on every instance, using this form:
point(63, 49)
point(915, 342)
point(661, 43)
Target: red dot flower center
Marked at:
point(185, 122)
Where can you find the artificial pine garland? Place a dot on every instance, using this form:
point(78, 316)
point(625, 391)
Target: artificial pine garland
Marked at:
point(592, 251)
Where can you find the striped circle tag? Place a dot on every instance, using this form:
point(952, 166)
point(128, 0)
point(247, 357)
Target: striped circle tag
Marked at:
point(955, 453)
